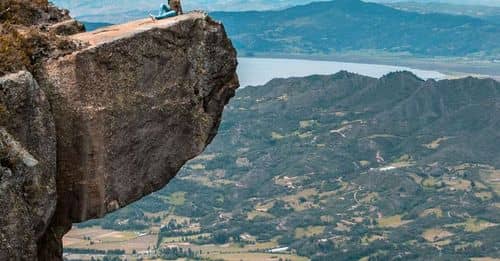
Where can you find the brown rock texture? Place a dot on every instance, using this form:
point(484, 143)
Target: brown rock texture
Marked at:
point(27, 166)
point(128, 111)
point(67, 27)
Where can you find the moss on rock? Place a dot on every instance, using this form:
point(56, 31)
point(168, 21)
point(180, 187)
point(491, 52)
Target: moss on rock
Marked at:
point(14, 51)
point(23, 12)
point(25, 35)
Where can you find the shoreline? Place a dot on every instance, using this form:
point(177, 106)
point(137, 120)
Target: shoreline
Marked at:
point(268, 69)
point(452, 67)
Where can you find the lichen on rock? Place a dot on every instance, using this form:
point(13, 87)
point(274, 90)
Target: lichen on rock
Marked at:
point(31, 31)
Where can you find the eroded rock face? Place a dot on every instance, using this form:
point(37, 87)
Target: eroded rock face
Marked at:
point(27, 166)
point(67, 27)
point(130, 110)
point(108, 123)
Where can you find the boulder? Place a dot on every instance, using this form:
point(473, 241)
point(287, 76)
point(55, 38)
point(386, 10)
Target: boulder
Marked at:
point(130, 109)
point(27, 166)
point(108, 117)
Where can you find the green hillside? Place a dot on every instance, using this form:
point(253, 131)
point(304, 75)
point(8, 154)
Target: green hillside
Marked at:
point(340, 167)
point(347, 25)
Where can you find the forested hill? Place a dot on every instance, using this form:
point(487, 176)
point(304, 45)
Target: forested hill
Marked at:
point(343, 25)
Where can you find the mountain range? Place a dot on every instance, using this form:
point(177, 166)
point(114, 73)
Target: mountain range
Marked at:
point(324, 28)
point(336, 27)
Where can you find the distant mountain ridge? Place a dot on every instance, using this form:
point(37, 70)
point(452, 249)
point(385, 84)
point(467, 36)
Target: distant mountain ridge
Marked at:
point(489, 13)
point(343, 25)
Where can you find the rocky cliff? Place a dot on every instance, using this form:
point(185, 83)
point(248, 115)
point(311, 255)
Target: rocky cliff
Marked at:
point(101, 127)
point(27, 165)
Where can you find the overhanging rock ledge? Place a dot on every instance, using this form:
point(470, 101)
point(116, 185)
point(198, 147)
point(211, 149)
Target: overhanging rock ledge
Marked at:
point(129, 109)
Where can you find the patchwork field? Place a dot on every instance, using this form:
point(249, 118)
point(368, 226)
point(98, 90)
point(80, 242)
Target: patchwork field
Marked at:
point(255, 257)
point(392, 221)
point(103, 239)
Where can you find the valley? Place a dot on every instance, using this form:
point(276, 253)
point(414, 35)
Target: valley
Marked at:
point(307, 168)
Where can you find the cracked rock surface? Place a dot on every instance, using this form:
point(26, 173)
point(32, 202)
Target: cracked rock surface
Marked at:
point(27, 166)
point(108, 124)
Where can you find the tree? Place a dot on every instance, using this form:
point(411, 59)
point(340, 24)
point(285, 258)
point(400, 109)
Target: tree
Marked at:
point(220, 237)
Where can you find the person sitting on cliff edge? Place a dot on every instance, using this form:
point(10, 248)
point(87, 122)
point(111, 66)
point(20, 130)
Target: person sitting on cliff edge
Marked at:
point(174, 8)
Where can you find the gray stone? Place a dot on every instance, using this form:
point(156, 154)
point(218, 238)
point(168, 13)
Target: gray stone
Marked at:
point(68, 27)
point(130, 109)
point(111, 123)
point(27, 171)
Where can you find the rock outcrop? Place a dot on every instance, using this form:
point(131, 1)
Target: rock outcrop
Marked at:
point(127, 111)
point(27, 166)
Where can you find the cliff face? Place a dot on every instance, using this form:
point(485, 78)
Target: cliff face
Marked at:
point(27, 166)
point(127, 111)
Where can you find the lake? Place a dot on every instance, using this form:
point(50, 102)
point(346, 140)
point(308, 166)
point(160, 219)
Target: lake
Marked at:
point(259, 71)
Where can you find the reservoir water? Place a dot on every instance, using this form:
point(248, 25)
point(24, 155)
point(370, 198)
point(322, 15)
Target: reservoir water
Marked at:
point(258, 71)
